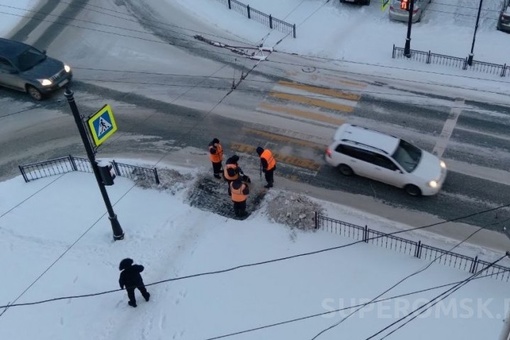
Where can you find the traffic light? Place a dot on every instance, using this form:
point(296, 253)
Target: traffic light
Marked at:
point(405, 5)
point(107, 174)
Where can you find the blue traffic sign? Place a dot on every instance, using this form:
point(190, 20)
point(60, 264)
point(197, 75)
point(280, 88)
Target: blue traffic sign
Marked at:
point(102, 125)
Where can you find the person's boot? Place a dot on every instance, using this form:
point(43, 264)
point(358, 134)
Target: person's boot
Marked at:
point(147, 297)
point(217, 176)
point(132, 304)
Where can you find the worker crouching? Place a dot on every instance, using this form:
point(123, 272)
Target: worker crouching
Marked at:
point(239, 193)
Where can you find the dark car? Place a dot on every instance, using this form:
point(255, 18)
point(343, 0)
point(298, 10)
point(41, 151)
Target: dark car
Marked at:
point(360, 2)
point(25, 68)
point(504, 18)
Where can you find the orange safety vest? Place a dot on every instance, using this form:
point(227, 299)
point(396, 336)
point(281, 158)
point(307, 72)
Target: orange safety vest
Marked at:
point(237, 194)
point(218, 156)
point(268, 156)
point(227, 176)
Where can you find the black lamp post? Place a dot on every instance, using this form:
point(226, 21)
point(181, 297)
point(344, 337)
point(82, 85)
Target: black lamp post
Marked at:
point(470, 58)
point(407, 48)
point(118, 233)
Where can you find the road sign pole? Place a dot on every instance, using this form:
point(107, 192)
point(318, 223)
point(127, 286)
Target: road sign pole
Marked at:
point(471, 55)
point(407, 47)
point(118, 233)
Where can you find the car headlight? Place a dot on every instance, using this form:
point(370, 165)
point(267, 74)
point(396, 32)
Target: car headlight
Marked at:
point(433, 184)
point(45, 82)
point(67, 68)
point(442, 164)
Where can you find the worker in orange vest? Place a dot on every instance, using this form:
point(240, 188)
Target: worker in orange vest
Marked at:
point(232, 171)
point(216, 157)
point(267, 165)
point(239, 194)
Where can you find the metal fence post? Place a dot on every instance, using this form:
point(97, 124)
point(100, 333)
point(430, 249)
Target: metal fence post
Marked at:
point(503, 71)
point(365, 234)
point(316, 220)
point(156, 177)
point(294, 31)
point(270, 21)
point(428, 57)
point(472, 270)
point(417, 252)
point(73, 163)
point(229, 5)
point(393, 52)
point(116, 167)
point(22, 170)
point(248, 9)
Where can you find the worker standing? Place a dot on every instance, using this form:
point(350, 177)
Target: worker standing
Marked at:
point(233, 171)
point(267, 165)
point(239, 193)
point(216, 157)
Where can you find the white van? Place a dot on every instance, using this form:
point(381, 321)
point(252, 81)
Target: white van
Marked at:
point(387, 159)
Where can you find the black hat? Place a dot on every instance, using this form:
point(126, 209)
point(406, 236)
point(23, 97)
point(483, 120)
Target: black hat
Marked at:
point(125, 263)
point(235, 158)
point(259, 150)
point(215, 140)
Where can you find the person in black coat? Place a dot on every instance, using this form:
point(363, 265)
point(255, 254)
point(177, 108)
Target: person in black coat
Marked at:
point(130, 279)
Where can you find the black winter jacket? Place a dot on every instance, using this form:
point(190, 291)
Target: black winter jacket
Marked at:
point(130, 277)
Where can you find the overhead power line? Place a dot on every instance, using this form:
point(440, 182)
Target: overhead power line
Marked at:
point(275, 260)
point(423, 308)
point(403, 280)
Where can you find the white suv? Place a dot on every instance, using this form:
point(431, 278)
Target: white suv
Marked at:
point(388, 159)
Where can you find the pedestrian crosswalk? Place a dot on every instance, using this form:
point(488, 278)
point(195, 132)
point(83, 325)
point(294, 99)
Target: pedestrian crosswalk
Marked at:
point(306, 101)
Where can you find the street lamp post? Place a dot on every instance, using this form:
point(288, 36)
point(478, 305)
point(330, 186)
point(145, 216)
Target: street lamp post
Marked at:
point(407, 48)
point(470, 58)
point(118, 233)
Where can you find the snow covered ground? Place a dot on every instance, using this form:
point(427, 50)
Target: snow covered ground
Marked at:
point(56, 240)
point(360, 38)
point(12, 12)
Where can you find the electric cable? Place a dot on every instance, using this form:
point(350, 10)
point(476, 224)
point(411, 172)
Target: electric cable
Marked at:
point(213, 108)
point(286, 258)
point(310, 316)
point(403, 280)
point(79, 238)
point(63, 253)
point(154, 23)
point(434, 301)
point(290, 53)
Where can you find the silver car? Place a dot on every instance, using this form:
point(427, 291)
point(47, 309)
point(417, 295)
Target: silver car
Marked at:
point(504, 18)
point(399, 14)
point(25, 68)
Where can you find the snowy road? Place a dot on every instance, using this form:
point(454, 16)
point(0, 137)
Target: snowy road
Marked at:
point(168, 92)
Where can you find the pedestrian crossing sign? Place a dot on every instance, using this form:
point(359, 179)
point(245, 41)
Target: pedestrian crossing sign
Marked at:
point(102, 125)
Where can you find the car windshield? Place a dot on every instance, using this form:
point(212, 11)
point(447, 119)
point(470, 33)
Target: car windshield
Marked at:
point(29, 58)
point(407, 155)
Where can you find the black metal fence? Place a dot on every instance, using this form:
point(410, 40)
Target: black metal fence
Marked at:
point(69, 163)
point(409, 247)
point(442, 59)
point(263, 18)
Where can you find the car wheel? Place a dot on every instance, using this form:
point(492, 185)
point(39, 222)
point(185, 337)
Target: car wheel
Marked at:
point(34, 93)
point(345, 170)
point(412, 190)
